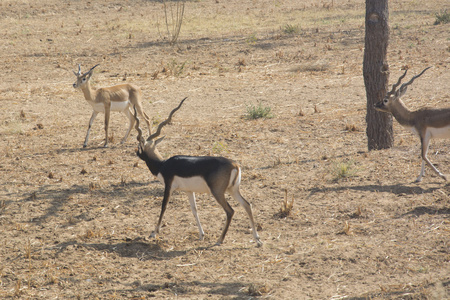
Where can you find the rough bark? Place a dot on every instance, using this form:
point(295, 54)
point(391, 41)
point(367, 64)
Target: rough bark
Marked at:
point(376, 74)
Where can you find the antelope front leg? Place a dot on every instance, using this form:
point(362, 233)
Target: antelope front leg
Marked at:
point(191, 196)
point(422, 172)
point(91, 121)
point(220, 197)
point(107, 114)
point(425, 144)
point(435, 169)
point(166, 198)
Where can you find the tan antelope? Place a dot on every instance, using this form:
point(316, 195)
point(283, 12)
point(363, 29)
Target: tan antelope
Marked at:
point(119, 98)
point(193, 174)
point(427, 123)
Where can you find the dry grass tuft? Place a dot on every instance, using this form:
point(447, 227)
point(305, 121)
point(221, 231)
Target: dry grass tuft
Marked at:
point(111, 138)
point(286, 206)
point(316, 109)
point(18, 288)
point(241, 62)
point(357, 213)
point(346, 229)
point(71, 220)
point(91, 234)
point(33, 196)
point(351, 128)
point(93, 186)
point(318, 66)
point(28, 249)
point(3, 205)
point(258, 290)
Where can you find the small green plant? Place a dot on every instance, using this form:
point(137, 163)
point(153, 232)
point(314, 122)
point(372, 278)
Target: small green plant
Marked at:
point(252, 39)
point(156, 119)
point(344, 170)
point(174, 68)
point(258, 111)
point(442, 18)
point(219, 147)
point(291, 29)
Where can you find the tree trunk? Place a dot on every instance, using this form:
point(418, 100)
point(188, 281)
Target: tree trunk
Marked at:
point(376, 74)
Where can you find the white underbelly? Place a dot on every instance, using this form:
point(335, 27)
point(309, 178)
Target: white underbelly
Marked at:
point(436, 133)
point(440, 133)
point(194, 184)
point(115, 106)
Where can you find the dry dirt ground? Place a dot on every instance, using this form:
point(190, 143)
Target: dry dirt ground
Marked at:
point(75, 223)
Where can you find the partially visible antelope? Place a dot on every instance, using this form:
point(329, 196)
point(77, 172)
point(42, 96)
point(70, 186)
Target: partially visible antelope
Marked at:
point(427, 123)
point(119, 98)
point(193, 174)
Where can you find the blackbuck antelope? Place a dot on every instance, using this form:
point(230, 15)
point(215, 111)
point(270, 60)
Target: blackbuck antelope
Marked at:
point(193, 174)
point(119, 98)
point(427, 123)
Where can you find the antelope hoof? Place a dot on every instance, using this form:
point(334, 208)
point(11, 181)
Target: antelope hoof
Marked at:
point(153, 235)
point(84, 145)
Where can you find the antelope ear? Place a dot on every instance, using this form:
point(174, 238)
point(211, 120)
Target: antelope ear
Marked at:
point(141, 144)
point(159, 140)
point(402, 91)
point(79, 71)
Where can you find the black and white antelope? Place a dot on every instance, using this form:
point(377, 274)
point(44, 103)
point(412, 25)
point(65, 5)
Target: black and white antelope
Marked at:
point(427, 123)
point(193, 174)
point(119, 98)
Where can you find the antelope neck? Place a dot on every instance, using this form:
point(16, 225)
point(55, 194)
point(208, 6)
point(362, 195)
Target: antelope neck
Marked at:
point(153, 163)
point(89, 92)
point(402, 114)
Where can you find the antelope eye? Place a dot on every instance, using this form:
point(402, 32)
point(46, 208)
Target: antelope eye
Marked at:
point(385, 101)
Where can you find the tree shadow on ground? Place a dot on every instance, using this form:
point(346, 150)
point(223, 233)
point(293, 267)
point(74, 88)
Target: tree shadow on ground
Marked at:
point(397, 189)
point(58, 197)
point(426, 290)
point(428, 210)
point(235, 290)
point(136, 248)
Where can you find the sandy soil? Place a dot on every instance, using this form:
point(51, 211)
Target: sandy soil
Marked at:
point(75, 223)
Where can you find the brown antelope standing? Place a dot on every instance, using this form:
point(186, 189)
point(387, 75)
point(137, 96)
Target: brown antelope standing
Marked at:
point(427, 123)
point(193, 174)
point(119, 98)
